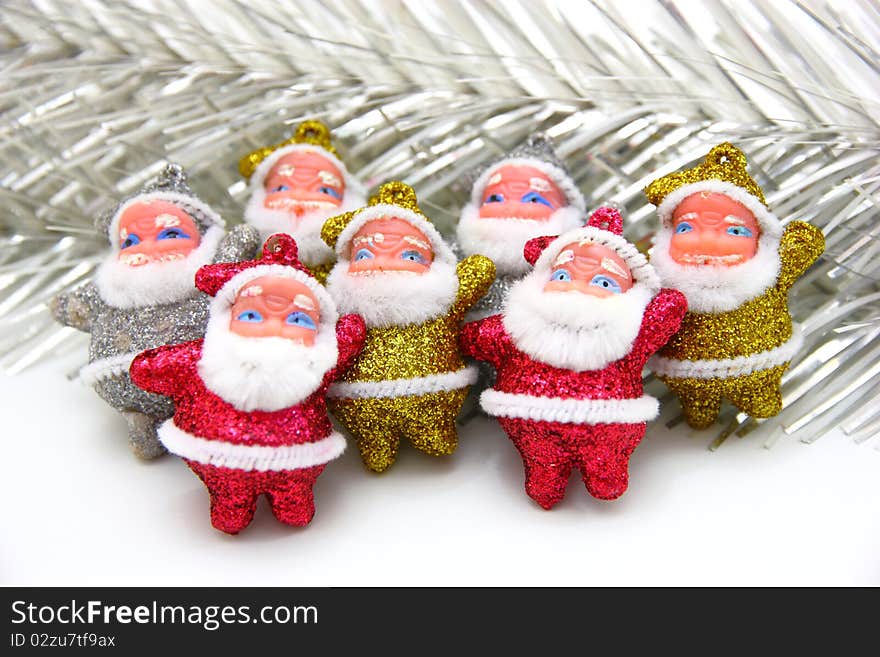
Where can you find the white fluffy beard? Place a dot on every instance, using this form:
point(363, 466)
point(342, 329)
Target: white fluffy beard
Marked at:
point(502, 240)
point(265, 374)
point(306, 230)
point(123, 286)
point(717, 288)
point(572, 330)
point(394, 298)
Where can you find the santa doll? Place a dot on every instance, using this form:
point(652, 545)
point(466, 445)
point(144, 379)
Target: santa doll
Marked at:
point(722, 247)
point(526, 193)
point(250, 414)
point(569, 349)
point(295, 186)
point(142, 295)
point(394, 269)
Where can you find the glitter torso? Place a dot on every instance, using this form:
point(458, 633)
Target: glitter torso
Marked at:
point(411, 380)
point(740, 354)
point(560, 418)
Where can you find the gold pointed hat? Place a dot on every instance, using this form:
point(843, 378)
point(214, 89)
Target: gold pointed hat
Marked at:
point(724, 171)
point(393, 199)
point(308, 132)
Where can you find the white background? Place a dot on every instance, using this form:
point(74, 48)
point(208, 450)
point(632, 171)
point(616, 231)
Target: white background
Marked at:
point(79, 509)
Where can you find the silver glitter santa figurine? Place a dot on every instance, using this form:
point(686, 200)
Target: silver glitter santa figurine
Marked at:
point(524, 194)
point(143, 294)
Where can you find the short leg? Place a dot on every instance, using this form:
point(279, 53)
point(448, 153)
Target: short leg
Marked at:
point(700, 399)
point(547, 465)
point(373, 424)
point(757, 394)
point(603, 457)
point(233, 496)
point(142, 437)
point(430, 421)
point(291, 496)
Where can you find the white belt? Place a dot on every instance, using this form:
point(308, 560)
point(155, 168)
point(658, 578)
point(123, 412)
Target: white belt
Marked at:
point(569, 411)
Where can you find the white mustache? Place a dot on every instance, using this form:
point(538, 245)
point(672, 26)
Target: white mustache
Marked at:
point(293, 204)
point(139, 259)
point(700, 259)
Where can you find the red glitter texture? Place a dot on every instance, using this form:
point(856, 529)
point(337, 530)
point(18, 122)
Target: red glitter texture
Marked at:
point(172, 371)
point(551, 449)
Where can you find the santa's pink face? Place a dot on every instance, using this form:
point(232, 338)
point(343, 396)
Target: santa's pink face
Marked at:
point(389, 244)
point(520, 192)
point(272, 306)
point(303, 181)
point(155, 231)
point(590, 269)
point(713, 229)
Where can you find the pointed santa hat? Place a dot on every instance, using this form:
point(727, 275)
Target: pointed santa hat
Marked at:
point(172, 186)
point(392, 200)
point(224, 280)
point(536, 152)
point(724, 171)
point(604, 228)
point(310, 137)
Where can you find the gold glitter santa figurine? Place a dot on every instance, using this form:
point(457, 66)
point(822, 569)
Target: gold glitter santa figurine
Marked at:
point(721, 246)
point(295, 186)
point(394, 269)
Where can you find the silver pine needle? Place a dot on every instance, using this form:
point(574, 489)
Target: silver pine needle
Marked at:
point(96, 96)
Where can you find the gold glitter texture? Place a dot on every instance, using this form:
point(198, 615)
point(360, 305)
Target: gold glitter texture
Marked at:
point(308, 132)
point(724, 162)
point(427, 421)
point(391, 193)
point(411, 351)
point(758, 325)
point(756, 394)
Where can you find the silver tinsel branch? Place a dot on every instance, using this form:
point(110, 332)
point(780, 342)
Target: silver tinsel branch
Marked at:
point(96, 96)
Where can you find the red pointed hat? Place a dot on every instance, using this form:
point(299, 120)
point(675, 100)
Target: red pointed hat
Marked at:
point(604, 228)
point(224, 280)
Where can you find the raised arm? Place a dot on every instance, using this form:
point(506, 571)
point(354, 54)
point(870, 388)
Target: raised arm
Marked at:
point(485, 340)
point(661, 321)
point(241, 243)
point(800, 246)
point(475, 275)
point(77, 308)
point(351, 333)
point(165, 370)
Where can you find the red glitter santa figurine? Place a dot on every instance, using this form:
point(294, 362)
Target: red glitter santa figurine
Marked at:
point(250, 414)
point(569, 349)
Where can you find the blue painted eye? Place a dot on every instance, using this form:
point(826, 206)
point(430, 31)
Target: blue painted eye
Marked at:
point(413, 256)
point(280, 188)
point(739, 231)
point(172, 234)
point(494, 198)
point(561, 275)
point(330, 191)
point(300, 319)
point(535, 197)
point(131, 240)
point(606, 283)
point(683, 227)
point(250, 316)
point(363, 254)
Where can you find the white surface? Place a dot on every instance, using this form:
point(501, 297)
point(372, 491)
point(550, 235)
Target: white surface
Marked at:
point(80, 509)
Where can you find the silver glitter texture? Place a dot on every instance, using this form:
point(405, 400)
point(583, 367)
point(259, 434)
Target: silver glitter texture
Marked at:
point(116, 332)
